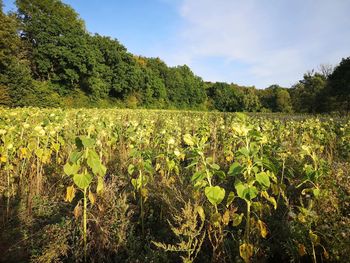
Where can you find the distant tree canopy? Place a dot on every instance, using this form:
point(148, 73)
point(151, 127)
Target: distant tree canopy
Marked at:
point(276, 99)
point(48, 59)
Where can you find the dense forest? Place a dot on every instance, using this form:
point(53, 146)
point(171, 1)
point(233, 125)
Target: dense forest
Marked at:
point(49, 59)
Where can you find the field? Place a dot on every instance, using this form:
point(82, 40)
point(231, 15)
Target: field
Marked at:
point(173, 186)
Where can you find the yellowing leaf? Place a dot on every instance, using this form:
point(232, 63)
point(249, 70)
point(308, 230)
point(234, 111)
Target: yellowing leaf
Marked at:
point(216, 219)
point(237, 219)
point(70, 194)
point(99, 185)
point(246, 252)
point(226, 217)
point(144, 193)
point(77, 211)
point(325, 254)
point(263, 228)
point(3, 159)
point(23, 152)
point(200, 212)
point(188, 139)
point(92, 197)
point(314, 238)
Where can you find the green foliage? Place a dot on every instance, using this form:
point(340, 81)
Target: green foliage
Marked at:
point(339, 86)
point(307, 94)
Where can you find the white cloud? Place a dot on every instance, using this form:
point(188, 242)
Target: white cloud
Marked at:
point(277, 41)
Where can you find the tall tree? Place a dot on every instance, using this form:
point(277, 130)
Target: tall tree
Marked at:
point(56, 41)
point(339, 85)
point(307, 95)
point(15, 78)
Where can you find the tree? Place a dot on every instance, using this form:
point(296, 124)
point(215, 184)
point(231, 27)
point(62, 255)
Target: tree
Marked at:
point(250, 101)
point(283, 101)
point(307, 95)
point(57, 42)
point(339, 85)
point(225, 97)
point(15, 77)
point(276, 99)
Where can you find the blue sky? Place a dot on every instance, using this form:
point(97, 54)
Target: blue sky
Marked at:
point(249, 42)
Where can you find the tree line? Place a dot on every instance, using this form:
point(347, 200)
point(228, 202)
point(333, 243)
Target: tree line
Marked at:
point(49, 59)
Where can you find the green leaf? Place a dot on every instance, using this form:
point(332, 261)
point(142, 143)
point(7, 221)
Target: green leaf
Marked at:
point(240, 188)
point(199, 175)
point(75, 156)
point(230, 198)
point(131, 169)
point(263, 179)
point(71, 169)
point(82, 180)
point(235, 169)
point(148, 167)
point(95, 164)
point(87, 142)
point(316, 192)
point(220, 174)
point(252, 192)
point(215, 194)
point(244, 151)
point(215, 166)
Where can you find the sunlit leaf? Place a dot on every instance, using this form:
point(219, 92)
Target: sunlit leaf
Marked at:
point(82, 180)
point(215, 194)
point(188, 139)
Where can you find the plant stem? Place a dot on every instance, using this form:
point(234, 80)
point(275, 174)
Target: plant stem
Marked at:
point(141, 205)
point(85, 224)
point(314, 260)
point(247, 226)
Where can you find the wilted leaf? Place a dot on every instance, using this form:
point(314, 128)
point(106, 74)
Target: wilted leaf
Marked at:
point(237, 219)
point(314, 238)
point(226, 217)
point(70, 194)
point(301, 250)
point(77, 211)
point(263, 228)
point(246, 252)
point(92, 197)
point(215, 219)
point(99, 185)
point(200, 212)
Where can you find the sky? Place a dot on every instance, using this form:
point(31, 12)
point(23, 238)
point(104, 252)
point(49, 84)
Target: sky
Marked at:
point(247, 42)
